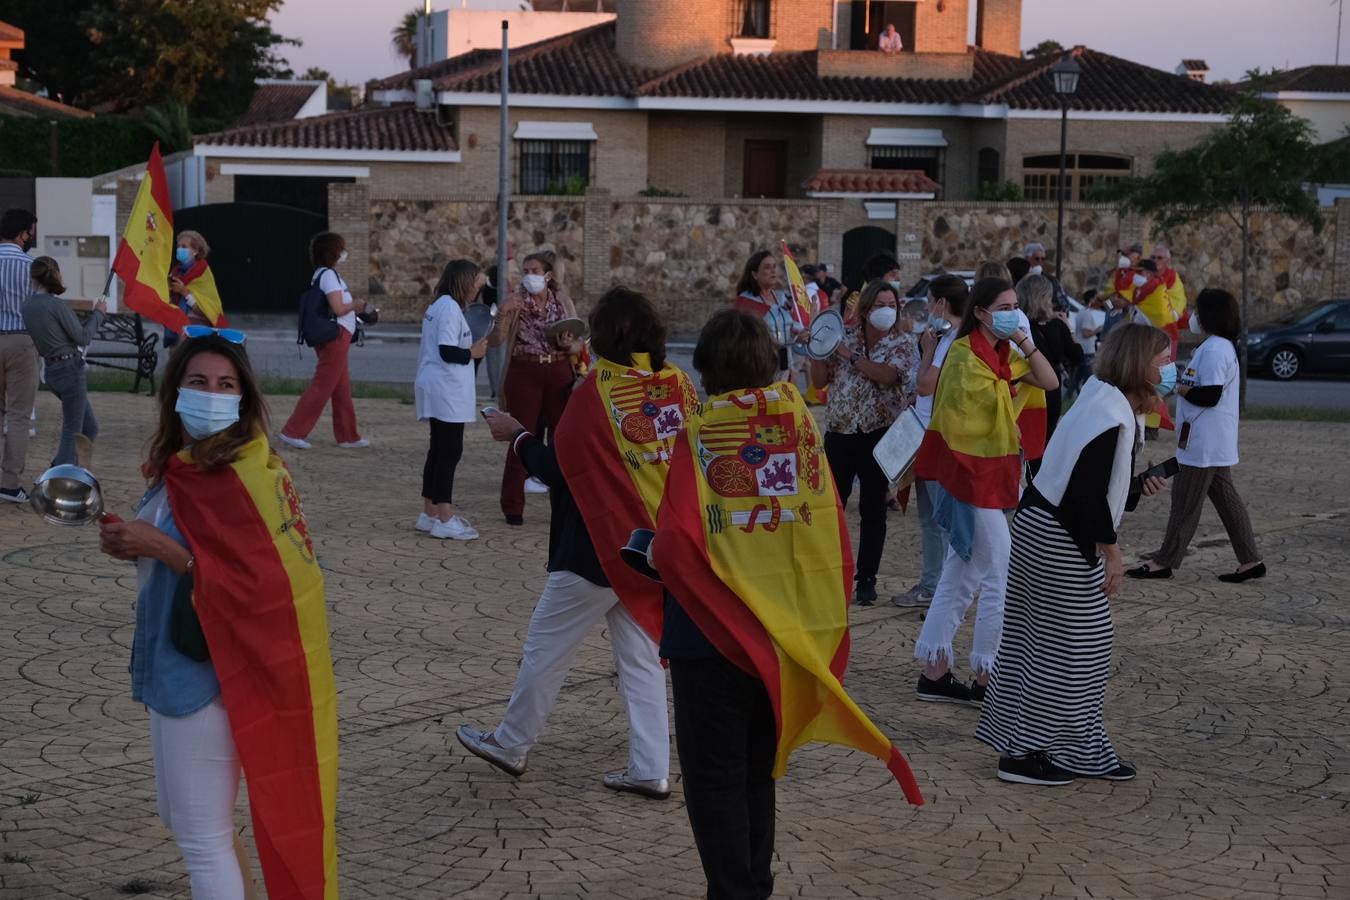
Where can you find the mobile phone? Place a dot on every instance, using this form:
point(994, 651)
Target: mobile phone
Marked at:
point(488, 411)
point(1165, 469)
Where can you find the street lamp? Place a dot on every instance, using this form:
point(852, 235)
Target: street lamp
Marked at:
point(1065, 73)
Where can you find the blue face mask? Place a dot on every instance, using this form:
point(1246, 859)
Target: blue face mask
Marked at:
point(1005, 323)
point(1167, 382)
point(204, 413)
point(183, 255)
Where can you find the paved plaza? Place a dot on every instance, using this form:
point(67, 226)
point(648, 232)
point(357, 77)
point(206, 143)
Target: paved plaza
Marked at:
point(1231, 699)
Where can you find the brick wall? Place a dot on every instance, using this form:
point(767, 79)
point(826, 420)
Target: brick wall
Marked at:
point(653, 35)
point(845, 145)
point(687, 153)
point(998, 26)
point(867, 64)
point(942, 30)
point(797, 23)
point(1140, 140)
point(801, 135)
point(349, 216)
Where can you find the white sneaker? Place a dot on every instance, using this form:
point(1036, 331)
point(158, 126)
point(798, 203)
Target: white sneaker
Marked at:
point(424, 522)
point(354, 445)
point(297, 443)
point(456, 529)
point(535, 486)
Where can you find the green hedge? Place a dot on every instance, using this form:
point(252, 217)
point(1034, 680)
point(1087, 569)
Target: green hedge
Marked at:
point(87, 146)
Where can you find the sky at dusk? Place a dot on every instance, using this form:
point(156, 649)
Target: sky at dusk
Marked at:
point(352, 40)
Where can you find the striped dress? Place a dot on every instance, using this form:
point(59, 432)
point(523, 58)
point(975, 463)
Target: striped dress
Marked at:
point(1055, 655)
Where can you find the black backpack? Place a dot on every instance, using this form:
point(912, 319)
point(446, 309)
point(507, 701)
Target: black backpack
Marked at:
point(316, 324)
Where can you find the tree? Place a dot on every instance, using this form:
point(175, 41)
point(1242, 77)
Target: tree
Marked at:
point(1046, 48)
point(404, 37)
point(1263, 157)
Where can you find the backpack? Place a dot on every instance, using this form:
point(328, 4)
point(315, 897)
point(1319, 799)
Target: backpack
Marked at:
point(316, 324)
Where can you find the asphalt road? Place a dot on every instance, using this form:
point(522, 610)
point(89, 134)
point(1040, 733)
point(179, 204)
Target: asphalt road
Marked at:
point(390, 357)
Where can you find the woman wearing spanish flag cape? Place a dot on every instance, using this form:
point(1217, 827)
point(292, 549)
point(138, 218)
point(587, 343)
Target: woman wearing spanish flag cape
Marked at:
point(752, 544)
point(972, 452)
point(231, 653)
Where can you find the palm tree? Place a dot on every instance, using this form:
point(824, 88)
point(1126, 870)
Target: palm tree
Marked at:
point(404, 37)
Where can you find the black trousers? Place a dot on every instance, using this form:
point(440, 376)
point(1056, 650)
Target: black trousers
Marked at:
point(726, 737)
point(850, 455)
point(438, 473)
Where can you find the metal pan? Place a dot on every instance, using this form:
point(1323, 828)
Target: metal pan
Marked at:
point(480, 319)
point(827, 331)
point(67, 495)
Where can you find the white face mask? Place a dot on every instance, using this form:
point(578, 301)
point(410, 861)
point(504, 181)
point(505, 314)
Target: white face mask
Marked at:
point(204, 413)
point(1195, 325)
point(342, 257)
point(1035, 270)
point(1140, 280)
point(534, 284)
point(895, 286)
point(882, 318)
point(1122, 262)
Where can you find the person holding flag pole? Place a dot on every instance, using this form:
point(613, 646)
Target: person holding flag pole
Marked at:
point(192, 286)
point(753, 549)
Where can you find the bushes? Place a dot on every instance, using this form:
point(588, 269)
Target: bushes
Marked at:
point(85, 147)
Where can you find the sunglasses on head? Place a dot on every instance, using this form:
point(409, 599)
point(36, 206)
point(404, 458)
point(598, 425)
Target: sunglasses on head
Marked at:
point(233, 335)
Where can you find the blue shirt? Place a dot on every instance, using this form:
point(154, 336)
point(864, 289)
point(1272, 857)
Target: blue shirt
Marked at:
point(161, 677)
point(16, 283)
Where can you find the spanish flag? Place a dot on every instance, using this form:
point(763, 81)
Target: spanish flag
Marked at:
point(801, 305)
point(752, 542)
point(614, 445)
point(259, 594)
point(201, 284)
point(1029, 405)
point(971, 447)
point(146, 252)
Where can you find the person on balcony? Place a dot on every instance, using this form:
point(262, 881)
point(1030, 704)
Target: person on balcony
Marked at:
point(890, 41)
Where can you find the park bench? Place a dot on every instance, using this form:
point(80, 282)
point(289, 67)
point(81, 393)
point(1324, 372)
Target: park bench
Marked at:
point(141, 355)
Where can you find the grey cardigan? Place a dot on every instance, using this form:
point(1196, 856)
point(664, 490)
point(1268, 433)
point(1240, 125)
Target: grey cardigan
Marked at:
point(54, 327)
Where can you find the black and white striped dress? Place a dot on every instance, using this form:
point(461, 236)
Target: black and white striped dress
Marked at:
point(1055, 655)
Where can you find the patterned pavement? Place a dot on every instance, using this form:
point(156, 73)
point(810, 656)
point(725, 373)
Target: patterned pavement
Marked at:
point(1232, 701)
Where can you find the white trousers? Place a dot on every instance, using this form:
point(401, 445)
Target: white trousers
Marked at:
point(197, 783)
point(567, 610)
point(985, 572)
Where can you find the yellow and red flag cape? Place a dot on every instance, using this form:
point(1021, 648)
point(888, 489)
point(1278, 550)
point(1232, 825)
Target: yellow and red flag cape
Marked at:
point(752, 542)
point(971, 447)
point(146, 252)
point(614, 444)
point(201, 284)
point(1029, 405)
point(259, 594)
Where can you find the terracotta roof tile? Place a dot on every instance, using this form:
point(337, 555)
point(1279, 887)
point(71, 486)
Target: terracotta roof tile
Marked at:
point(393, 128)
point(1308, 79)
point(277, 102)
point(14, 102)
point(10, 34)
point(870, 181)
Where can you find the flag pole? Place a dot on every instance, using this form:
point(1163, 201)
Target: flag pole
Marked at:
point(503, 170)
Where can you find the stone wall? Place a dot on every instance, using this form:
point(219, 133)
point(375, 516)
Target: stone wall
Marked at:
point(1290, 263)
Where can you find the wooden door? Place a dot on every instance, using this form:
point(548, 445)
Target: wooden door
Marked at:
point(765, 169)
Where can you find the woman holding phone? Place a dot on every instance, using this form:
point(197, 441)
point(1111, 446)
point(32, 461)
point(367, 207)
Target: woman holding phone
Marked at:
point(1043, 707)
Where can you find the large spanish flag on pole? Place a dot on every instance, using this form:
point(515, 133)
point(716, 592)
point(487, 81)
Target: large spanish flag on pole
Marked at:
point(259, 594)
point(971, 447)
point(753, 544)
point(801, 300)
point(614, 445)
point(146, 252)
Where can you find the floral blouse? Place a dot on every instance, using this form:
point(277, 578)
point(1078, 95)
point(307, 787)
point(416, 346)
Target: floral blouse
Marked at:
point(535, 316)
point(857, 404)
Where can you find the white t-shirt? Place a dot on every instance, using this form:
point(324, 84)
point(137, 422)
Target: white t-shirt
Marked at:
point(1213, 435)
point(331, 281)
point(444, 390)
point(1088, 318)
point(923, 406)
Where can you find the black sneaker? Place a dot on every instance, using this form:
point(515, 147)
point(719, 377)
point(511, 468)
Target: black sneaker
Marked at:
point(1034, 768)
point(1122, 772)
point(14, 495)
point(977, 691)
point(943, 690)
point(865, 593)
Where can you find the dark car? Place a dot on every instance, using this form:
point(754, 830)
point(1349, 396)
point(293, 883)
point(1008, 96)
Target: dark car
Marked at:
point(1314, 338)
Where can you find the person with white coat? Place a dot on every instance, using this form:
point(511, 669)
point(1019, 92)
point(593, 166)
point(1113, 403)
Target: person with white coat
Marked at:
point(444, 395)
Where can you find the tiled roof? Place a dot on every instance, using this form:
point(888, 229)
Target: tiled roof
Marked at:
point(393, 128)
point(585, 63)
point(277, 102)
point(10, 34)
point(14, 102)
point(1195, 65)
point(1308, 79)
point(582, 63)
point(870, 181)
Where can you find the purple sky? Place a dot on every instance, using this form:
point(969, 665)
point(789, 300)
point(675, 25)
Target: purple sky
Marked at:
point(1232, 35)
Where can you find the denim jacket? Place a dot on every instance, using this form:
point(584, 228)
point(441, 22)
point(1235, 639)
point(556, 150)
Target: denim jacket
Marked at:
point(161, 677)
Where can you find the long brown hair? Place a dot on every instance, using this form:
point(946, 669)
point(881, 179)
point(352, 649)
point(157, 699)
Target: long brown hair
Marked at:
point(219, 449)
point(1124, 358)
point(624, 322)
point(45, 271)
point(459, 279)
point(982, 296)
point(748, 284)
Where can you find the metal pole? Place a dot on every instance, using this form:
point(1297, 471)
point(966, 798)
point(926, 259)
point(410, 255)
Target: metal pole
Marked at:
point(503, 169)
point(1063, 157)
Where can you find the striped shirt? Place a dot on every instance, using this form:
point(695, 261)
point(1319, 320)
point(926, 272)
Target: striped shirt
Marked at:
point(16, 283)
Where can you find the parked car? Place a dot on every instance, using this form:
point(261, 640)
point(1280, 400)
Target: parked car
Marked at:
point(1313, 338)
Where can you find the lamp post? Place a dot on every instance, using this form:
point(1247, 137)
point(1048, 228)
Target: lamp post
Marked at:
point(1065, 73)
